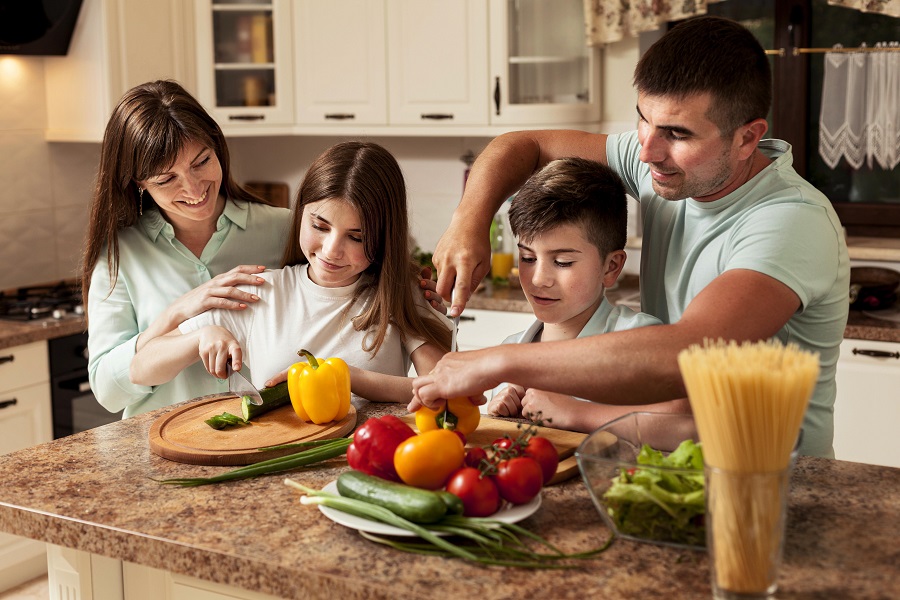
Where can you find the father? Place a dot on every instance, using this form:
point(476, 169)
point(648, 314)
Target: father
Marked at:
point(736, 245)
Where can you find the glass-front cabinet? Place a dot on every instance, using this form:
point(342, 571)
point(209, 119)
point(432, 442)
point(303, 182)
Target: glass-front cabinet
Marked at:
point(244, 61)
point(542, 71)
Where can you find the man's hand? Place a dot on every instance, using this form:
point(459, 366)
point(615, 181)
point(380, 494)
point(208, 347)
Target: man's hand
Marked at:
point(462, 258)
point(457, 374)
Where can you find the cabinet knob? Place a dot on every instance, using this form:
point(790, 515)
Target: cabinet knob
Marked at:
point(7, 358)
point(876, 353)
point(6, 403)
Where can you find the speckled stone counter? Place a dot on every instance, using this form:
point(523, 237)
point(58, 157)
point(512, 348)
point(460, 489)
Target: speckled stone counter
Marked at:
point(16, 333)
point(95, 491)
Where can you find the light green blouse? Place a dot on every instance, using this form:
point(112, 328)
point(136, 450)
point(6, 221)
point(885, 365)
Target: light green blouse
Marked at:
point(154, 270)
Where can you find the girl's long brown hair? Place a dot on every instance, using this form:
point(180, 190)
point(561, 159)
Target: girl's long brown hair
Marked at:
point(368, 177)
point(146, 131)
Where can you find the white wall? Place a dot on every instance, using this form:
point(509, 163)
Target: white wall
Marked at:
point(45, 188)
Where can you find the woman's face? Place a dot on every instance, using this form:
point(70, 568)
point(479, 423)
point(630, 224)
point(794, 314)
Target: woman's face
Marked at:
point(331, 238)
point(188, 192)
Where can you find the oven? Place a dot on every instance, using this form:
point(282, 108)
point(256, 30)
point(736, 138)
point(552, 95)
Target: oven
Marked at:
point(74, 407)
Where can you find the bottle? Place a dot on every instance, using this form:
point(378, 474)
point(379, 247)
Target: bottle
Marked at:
point(501, 257)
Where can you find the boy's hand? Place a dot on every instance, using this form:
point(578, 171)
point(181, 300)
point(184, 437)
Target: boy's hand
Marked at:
point(216, 346)
point(507, 402)
point(559, 411)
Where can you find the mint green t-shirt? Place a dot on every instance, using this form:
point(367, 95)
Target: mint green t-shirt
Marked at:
point(777, 224)
point(154, 270)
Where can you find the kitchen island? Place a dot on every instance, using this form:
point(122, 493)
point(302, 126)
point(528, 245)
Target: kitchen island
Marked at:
point(95, 492)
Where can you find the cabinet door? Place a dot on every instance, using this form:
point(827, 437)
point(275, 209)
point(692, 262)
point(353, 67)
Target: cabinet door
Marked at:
point(116, 45)
point(340, 62)
point(244, 62)
point(867, 408)
point(485, 328)
point(437, 62)
point(541, 68)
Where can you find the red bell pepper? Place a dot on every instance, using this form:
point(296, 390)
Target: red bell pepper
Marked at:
point(374, 444)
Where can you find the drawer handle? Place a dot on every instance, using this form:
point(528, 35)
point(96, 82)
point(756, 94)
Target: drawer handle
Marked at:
point(10, 402)
point(7, 358)
point(877, 353)
point(246, 117)
point(340, 116)
point(437, 116)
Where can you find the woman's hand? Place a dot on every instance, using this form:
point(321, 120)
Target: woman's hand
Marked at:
point(216, 346)
point(507, 402)
point(219, 292)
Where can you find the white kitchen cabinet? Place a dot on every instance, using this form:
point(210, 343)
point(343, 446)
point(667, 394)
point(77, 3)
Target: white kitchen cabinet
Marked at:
point(244, 62)
point(340, 83)
point(25, 420)
point(437, 62)
point(867, 408)
point(116, 45)
point(542, 72)
point(484, 328)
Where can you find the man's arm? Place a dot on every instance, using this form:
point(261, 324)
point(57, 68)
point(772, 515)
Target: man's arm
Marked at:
point(463, 254)
point(638, 366)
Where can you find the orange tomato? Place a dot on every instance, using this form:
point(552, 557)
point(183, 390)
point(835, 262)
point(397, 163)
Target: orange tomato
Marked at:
point(428, 459)
point(465, 417)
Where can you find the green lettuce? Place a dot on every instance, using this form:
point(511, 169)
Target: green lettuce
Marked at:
point(660, 505)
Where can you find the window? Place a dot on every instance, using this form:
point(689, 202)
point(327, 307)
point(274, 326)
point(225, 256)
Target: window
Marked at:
point(867, 200)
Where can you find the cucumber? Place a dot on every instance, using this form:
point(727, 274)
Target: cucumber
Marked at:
point(272, 398)
point(454, 504)
point(412, 503)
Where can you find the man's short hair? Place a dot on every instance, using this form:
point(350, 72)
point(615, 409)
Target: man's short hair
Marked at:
point(714, 55)
point(573, 191)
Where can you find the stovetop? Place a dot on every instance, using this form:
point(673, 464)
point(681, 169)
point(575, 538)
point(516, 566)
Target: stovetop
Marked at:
point(53, 301)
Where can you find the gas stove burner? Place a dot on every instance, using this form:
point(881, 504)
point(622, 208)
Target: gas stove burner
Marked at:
point(57, 301)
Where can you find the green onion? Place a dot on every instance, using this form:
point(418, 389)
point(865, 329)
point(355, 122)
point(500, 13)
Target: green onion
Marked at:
point(491, 542)
point(335, 447)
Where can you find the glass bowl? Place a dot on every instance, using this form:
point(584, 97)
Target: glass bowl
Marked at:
point(661, 505)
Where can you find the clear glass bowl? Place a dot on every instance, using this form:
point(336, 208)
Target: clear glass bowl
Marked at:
point(607, 452)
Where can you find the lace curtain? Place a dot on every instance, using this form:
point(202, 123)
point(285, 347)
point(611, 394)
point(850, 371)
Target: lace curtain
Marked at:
point(860, 115)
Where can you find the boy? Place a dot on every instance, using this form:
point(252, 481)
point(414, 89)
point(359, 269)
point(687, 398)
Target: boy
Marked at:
point(570, 219)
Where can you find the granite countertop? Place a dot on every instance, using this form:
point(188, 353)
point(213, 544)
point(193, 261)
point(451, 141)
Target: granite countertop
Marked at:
point(95, 491)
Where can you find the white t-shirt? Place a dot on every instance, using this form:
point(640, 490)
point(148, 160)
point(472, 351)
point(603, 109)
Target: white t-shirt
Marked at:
point(293, 313)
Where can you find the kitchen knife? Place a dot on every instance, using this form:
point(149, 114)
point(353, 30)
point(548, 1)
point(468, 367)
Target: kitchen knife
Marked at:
point(241, 387)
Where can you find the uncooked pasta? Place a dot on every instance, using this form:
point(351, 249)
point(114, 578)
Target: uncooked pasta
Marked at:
point(748, 402)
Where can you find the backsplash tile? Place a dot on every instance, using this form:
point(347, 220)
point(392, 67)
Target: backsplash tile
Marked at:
point(24, 179)
point(29, 248)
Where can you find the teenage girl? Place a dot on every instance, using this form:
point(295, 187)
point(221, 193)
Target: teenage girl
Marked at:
point(348, 288)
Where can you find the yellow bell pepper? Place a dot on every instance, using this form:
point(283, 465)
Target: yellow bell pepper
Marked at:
point(459, 415)
point(319, 389)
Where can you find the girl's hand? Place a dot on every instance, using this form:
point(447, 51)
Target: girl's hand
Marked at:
point(507, 402)
point(219, 292)
point(216, 347)
point(555, 410)
point(276, 379)
point(429, 290)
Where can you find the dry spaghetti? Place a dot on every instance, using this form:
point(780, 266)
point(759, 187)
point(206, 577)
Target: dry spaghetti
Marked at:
point(748, 402)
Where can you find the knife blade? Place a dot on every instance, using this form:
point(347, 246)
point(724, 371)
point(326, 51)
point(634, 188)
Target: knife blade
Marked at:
point(240, 386)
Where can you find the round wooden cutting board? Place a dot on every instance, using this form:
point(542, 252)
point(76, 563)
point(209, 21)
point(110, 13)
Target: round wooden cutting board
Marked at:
point(183, 436)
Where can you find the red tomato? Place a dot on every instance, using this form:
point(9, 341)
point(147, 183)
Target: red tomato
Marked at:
point(479, 494)
point(503, 443)
point(542, 450)
point(519, 479)
point(474, 456)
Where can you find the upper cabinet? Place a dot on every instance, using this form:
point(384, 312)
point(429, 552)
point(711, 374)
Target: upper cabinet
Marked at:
point(541, 69)
point(437, 62)
point(116, 45)
point(244, 61)
point(339, 62)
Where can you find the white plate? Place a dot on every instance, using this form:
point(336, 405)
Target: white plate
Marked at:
point(510, 513)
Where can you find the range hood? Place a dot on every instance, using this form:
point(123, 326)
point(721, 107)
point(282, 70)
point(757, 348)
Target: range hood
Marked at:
point(37, 27)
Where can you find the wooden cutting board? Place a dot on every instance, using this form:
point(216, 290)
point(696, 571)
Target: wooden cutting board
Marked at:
point(183, 436)
point(490, 428)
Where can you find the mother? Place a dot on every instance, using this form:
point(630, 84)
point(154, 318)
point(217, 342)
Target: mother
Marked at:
point(168, 224)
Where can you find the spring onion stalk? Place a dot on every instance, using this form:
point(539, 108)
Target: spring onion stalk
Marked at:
point(334, 448)
point(491, 542)
point(309, 444)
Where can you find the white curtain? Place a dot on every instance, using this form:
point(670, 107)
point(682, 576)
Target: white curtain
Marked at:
point(860, 115)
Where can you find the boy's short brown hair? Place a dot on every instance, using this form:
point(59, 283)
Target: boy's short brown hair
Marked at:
point(577, 191)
